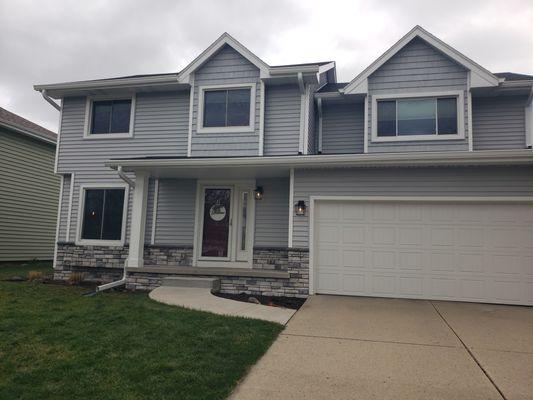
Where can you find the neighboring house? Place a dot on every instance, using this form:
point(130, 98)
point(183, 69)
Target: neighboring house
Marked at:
point(413, 180)
point(29, 190)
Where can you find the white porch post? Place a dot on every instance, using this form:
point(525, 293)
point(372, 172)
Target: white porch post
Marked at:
point(138, 220)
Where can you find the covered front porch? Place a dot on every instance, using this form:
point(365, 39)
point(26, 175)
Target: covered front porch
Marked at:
point(230, 223)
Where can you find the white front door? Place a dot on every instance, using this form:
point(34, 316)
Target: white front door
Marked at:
point(224, 225)
point(464, 251)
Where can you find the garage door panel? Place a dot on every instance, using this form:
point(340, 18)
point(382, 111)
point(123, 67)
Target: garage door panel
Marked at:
point(458, 251)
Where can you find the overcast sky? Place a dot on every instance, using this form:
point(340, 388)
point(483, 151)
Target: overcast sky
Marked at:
point(50, 41)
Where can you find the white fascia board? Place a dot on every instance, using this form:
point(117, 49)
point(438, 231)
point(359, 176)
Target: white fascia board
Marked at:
point(225, 38)
point(483, 76)
point(486, 157)
point(56, 90)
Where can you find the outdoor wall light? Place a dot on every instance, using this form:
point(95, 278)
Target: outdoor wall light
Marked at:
point(258, 193)
point(300, 207)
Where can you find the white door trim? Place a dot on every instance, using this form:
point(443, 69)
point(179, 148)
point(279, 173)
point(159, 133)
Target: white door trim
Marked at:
point(236, 187)
point(452, 199)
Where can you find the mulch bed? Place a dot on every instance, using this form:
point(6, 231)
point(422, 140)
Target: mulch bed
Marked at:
point(287, 302)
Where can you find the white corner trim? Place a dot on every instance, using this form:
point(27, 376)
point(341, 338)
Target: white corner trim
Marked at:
point(470, 122)
point(191, 114)
point(58, 219)
point(291, 206)
point(320, 124)
point(154, 210)
point(81, 200)
point(69, 212)
point(311, 244)
point(419, 95)
point(262, 117)
point(226, 129)
point(138, 220)
point(88, 117)
point(56, 161)
point(365, 127)
point(306, 119)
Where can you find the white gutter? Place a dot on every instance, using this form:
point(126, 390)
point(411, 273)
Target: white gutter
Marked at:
point(122, 281)
point(49, 99)
point(124, 177)
point(485, 157)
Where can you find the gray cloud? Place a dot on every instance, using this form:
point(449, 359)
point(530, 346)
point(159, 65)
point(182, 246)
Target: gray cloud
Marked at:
point(56, 40)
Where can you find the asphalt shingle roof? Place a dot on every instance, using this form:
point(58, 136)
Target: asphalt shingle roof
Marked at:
point(9, 118)
point(512, 76)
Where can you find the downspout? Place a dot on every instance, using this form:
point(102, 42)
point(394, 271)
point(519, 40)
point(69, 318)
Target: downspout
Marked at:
point(121, 281)
point(49, 100)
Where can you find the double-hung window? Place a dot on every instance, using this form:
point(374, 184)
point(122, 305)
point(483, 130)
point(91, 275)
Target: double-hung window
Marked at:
point(109, 118)
point(226, 109)
point(102, 214)
point(417, 118)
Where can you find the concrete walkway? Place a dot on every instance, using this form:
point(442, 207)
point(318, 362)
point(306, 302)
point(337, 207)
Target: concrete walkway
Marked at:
point(370, 348)
point(202, 300)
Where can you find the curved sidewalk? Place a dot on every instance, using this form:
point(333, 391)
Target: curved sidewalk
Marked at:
point(202, 300)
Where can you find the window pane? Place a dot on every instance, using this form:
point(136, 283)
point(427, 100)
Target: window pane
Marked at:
point(120, 116)
point(113, 210)
point(92, 214)
point(215, 108)
point(238, 107)
point(101, 117)
point(447, 114)
point(387, 118)
point(416, 117)
point(243, 221)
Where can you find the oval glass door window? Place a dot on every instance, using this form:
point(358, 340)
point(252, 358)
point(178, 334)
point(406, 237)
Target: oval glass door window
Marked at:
point(217, 212)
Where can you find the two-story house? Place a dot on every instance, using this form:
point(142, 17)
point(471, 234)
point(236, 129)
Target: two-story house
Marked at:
point(413, 180)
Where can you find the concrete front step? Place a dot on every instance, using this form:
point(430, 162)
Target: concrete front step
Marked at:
point(192, 282)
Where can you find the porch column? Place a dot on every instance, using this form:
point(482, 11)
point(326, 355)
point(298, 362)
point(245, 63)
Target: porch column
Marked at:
point(138, 220)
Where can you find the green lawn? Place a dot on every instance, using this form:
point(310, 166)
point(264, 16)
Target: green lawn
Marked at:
point(57, 344)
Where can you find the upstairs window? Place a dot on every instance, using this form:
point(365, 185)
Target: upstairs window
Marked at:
point(417, 117)
point(226, 109)
point(109, 117)
point(103, 212)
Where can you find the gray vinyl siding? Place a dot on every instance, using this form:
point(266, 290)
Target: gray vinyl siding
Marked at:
point(499, 122)
point(64, 200)
point(418, 68)
point(175, 212)
point(342, 128)
point(272, 213)
point(160, 129)
point(282, 120)
point(29, 195)
point(459, 181)
point(227, 67)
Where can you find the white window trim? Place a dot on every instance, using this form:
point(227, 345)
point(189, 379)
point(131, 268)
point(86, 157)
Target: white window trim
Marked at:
point(226, 129)
point(88, 117)
point(420, 95)
point(79, 224)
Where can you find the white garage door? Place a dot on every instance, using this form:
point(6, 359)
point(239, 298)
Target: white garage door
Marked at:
point(480, 252)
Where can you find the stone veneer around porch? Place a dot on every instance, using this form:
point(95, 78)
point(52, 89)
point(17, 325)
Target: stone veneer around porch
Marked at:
point(102, 263)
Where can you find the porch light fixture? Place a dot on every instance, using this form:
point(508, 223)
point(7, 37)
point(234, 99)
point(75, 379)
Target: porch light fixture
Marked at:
point(300, 207)
point(258, 193)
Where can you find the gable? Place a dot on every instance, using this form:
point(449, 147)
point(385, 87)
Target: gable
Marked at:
point(226, 64)
point(418, 64)
point(477, 75)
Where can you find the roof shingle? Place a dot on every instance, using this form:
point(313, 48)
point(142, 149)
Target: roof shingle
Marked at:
point(16, 121)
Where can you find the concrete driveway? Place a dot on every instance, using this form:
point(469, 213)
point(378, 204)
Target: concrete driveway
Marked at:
point(371, 348)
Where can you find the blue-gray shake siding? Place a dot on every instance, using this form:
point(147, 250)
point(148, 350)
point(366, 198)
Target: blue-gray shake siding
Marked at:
point(225, 68)
point(453, 181)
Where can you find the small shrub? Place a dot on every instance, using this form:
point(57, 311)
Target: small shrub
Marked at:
point(35, 276)
point(75, 278)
